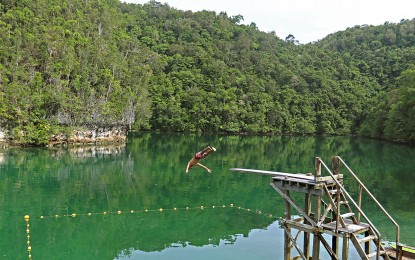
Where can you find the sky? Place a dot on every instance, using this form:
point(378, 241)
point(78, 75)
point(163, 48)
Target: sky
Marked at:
point(306, 20)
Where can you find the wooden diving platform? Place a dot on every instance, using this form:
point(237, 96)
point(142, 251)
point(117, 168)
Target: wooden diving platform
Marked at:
point(300, 182)
point(327, 208)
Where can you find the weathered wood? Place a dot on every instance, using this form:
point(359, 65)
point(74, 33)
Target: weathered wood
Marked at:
point(316, 240)
point(327, 246)
point(367, 241)
point(287, 234)
point(335, 245)
point(288, 199)
point(299, 226)
point(307, 228)
point(308, 189)
point(284, 175)
point(307, 210)
point(350, 227)
point(323, 216)
point(358, 247)
point(272, 173)
point(345, 253)
point(335, 209)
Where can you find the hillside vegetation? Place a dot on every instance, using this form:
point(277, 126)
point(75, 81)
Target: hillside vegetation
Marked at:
point(73, 63)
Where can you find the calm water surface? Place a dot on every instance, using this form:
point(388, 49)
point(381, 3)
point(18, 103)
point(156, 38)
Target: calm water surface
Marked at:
point(189, 216)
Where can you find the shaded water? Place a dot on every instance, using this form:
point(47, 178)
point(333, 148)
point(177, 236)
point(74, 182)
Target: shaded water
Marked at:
point(148, 173)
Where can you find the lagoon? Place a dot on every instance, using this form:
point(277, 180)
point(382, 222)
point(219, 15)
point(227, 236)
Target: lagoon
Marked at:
point(135, 201)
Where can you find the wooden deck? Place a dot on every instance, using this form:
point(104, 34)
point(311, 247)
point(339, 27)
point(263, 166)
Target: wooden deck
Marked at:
point(350, 227)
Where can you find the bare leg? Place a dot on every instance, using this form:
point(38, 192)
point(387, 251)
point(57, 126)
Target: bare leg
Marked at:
point(207, 151)
point(206, 168)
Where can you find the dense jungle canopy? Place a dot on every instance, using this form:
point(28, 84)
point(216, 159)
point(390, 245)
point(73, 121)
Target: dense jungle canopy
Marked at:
point(74, 63)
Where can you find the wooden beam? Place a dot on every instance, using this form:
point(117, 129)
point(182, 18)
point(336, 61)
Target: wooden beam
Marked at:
point(300, 226)
point(310, 190)
point(327, 246)
point(316, 239)
point(287, 234)
point(307, 210)
point(288, 199)
point(310, 229)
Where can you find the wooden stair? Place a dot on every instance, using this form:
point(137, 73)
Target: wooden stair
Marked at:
point(328, 209)
point(361, 234)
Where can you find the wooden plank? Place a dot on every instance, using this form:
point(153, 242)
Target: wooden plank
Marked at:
point(350, 227)
point(290, 176)
point(308, 229)
point(309, 190)
point(272, 173)
point(328, 178)
point(299, 226)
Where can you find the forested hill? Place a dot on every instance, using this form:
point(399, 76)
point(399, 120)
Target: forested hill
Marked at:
point(73, 63)
point(387, 54)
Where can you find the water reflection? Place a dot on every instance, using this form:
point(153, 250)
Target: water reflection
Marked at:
point(90, 151)
point(149, 173)
point(2, 158)
point(97, 151)
point(257, 244)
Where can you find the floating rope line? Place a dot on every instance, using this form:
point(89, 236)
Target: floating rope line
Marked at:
point(29, 247)
point(119, 212)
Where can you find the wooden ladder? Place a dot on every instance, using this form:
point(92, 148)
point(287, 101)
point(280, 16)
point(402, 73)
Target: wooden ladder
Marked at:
point(344, 220)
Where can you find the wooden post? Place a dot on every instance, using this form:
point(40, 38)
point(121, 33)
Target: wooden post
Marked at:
point(316, 239)
point(335, 245)
point(287, 241)
point(317, 170)
point(307, 210)
point(335, 239)
point(335, 165)
point(345, 254)
point(359, 202)
point(317, 210)
point(367, 243)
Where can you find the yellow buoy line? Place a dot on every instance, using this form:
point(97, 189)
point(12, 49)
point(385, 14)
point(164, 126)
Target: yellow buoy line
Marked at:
point(120, 212)
point(29, 247)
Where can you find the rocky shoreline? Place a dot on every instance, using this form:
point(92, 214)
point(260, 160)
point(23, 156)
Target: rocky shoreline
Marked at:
point(81, 136)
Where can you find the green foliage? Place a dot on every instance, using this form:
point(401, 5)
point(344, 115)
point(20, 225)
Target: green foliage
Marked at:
point(392, 116)
point(153, 67)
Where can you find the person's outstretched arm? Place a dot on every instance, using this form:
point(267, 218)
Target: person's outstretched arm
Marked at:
point(187, 167)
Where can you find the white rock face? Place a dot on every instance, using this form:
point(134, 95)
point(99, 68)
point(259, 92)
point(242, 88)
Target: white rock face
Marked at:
point(84, 136)
point(91, 136)
point(2, 135)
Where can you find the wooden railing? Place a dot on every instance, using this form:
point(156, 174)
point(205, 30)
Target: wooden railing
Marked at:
point(336, 165)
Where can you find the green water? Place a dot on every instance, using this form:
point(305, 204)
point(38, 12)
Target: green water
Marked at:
point(149, 173)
